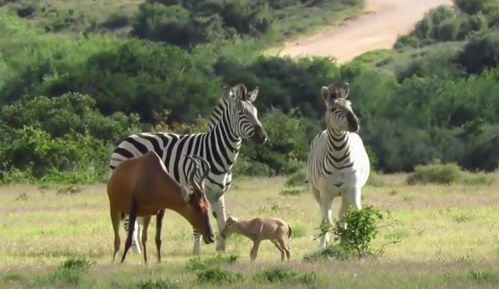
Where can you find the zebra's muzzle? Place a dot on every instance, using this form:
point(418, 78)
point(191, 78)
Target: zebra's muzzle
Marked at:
point(260, 136)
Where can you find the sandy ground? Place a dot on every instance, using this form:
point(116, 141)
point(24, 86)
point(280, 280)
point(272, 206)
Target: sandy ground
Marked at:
point(378, 28)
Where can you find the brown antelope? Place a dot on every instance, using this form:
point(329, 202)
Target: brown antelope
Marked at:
point(259, 229)
point(142, 187)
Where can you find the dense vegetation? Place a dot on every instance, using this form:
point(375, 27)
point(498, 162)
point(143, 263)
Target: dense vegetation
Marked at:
point(66, 101)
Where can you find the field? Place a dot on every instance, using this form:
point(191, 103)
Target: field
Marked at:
point(449, 238)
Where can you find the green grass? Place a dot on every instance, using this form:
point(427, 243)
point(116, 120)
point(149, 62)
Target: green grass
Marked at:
point(303, 19)
point(448, 239)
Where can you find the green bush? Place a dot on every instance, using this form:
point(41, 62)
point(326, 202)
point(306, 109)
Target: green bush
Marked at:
point(157, 284)
point(116, 20)
point(274, 275)
point(435, 173)
point(335, 251)
point(70, 272)
point(474, 6)
point(71, 113)
point(438, 173)
point(201, 264)
point(292, 191)
point(481, 52)
point(298, 178)
point(354, 232)
point(361, 227)
point(217, 276)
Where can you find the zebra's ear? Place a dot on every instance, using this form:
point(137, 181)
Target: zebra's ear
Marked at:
point(326, 95)
point(251, 96)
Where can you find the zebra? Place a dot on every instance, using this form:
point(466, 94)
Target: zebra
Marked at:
point(233, 119)
point(338, 164)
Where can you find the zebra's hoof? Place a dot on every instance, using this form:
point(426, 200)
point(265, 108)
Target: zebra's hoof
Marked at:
point(221, 246)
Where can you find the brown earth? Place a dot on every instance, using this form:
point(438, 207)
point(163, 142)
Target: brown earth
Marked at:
point(378, 28)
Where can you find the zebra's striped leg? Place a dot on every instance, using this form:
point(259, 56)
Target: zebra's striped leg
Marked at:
point(197, 243)
point(218, 207)
point(326, 204)
point(136, 232)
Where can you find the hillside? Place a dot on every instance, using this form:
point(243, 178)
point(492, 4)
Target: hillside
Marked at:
point(431, 98)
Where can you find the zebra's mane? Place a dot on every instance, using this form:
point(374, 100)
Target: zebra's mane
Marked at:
point(217, 112)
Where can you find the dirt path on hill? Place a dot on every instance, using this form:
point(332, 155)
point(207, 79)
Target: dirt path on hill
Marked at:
point(378, 28)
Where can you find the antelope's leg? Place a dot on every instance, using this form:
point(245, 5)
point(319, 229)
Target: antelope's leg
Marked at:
point(145, 225)
point(159, 226)
point(131, 227)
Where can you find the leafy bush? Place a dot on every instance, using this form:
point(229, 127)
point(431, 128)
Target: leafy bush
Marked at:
point(439, 173)
point(157, 284)
point(274, 275)
point(474, 6)
point(291, 191)
point(286, 148)
point(71, 113)
point(201, 264)
point(435, 173)
point(481, 52)
point(298, 178)
point(354, 232)
point(70, 272)
point(217, 276)
point(335, 251)
point(116, 20)
point(361, 227)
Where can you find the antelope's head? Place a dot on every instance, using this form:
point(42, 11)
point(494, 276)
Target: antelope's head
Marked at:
point(229, 227)
point(196, 199)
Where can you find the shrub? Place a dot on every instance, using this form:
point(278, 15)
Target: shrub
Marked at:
point(298, 178)
point(335, 251)
point(157, 284)
point(354, 232)
point(435, 173)
point(474, 6)
point(361, 227)
point(217, 276)
point(448, 30)
point(201, 264)
point(71, 271)
point(481, 52)
point(291, 191)
point(116, 20)
point(276, 275)
point(286, 149)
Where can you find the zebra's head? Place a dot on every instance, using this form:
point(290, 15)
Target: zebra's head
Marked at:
point(244, 115)
point(339, 114)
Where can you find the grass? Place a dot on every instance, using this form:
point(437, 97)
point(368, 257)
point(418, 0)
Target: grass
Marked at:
point(295, 21)
point(448, 239)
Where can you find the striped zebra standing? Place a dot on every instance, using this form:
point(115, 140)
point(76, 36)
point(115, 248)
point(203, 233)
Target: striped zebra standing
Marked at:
point(233, 119)
point(338, 164)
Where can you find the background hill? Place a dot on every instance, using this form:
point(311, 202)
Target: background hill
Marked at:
point(72, 84)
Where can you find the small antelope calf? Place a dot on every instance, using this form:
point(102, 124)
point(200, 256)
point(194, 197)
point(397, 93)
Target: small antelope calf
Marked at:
point(142, 187)
point(259, 229)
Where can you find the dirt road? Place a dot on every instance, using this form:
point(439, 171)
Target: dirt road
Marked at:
point(378, 28)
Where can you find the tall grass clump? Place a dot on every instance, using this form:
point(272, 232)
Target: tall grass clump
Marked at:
point(70, 272)
point(277, 274)
point(201, 264)
point(217, 276)
point(438, 173)
point(157, 284)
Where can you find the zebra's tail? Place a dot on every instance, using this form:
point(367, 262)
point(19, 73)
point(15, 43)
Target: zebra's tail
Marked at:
point(289, 231)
